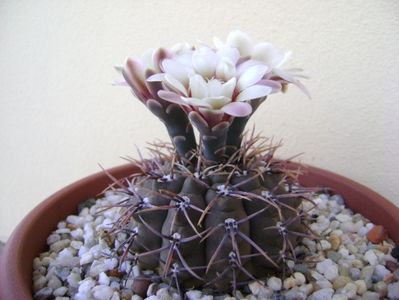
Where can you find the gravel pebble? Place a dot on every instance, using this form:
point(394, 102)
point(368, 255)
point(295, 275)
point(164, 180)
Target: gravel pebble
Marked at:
point(393, 290)
point(274, 283)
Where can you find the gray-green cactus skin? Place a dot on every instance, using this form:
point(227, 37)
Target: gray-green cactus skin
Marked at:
point(200, 224)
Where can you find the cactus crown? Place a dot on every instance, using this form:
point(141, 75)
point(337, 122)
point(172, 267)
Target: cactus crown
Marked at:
point(214, 90)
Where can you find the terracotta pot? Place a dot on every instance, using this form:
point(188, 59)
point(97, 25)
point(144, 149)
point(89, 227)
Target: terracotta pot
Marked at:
point(29, 238)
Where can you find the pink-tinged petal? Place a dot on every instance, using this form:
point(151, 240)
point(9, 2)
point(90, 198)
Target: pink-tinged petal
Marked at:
point(177, 70)
point(251, 76)
point(237, 109)
point(243, 65)
point(284, 75)
point(254, 92)
point(156, 77)
point(134, 75)
point(135, 69)
point(158, 57)
point(120, 82)
point(196, 102)
point(275, 85)
point(175, 85)
point(171, 97)
point(153, 86)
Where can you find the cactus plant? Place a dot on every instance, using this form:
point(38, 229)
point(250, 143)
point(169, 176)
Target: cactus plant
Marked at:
point(223, 212)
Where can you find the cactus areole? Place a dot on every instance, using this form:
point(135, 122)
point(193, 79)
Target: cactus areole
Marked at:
point(219, 212)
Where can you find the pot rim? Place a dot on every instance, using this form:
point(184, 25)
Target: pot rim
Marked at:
point(15, 281)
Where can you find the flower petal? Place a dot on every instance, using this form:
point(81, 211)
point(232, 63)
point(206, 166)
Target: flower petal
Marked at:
point(198, 87)
point(267, 53)
point(175, 84)
point(237, 109)
point(241, 41)
point(196, 102)
point(186, 61)
point(243, 66)
point(303, 88)
point(147, 59)
point(254, 92)
point(228, 88)
point(171, 97)
point(275, 85)
point(214, 88)
point(216, 102)
point(204, 61)
point(225, 69)
point(180, 48)
point(135, 70)
point(232, 54)
point(284, 75)
point(251, 76)
point(156, 77)
point(158, 57)
point(177, 70)
point(286, 56)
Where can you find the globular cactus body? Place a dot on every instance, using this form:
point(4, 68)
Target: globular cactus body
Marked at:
point(218, 226)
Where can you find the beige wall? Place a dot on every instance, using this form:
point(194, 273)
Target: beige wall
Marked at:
point(59, 116)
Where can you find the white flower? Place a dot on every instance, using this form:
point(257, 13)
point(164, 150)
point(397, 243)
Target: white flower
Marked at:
point(264, 53)
point(225, 69)
point(212, 94)
point(260, 54)
point(204, 61)
point(221, 80)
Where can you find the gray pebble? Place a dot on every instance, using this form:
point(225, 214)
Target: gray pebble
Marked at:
point(301, 268)
point(334, 256)
point(370, 296)
point(396, 274)
point(62, 272)
point(393, 290)
point(88, 203)
point(44, 293)
point(354, 273)
point(338, 199)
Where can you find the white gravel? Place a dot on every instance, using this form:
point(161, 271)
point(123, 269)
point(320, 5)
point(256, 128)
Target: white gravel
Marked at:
point(343, 265)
